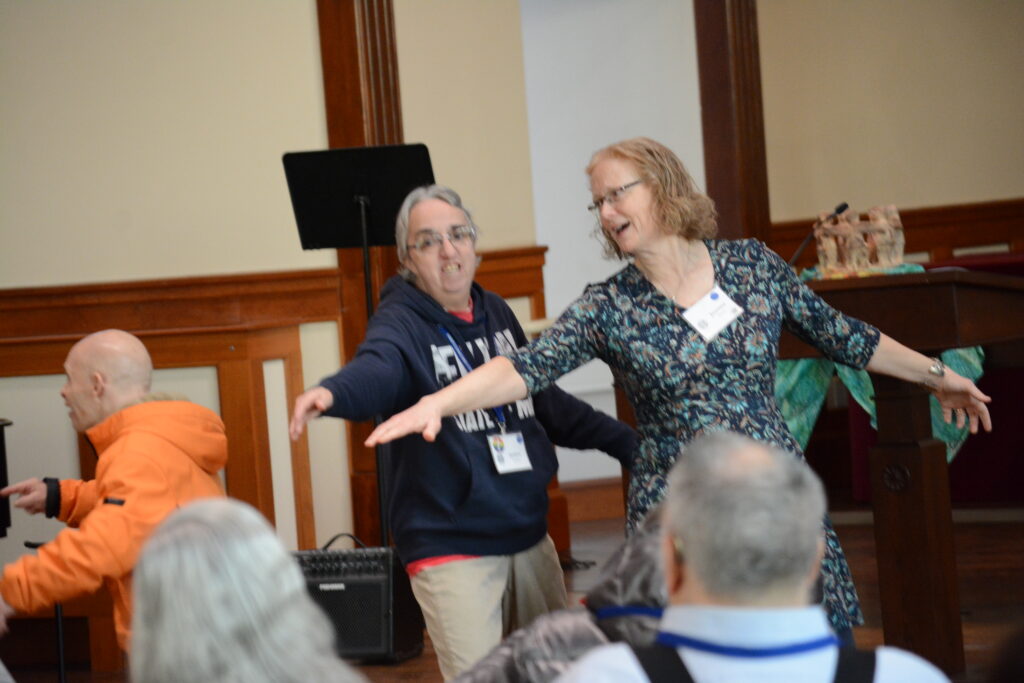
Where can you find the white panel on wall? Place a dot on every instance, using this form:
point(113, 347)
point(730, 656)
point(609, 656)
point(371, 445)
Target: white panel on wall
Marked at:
point(328, 451)
point(600, 71)
point(580, 465)
point(198, 384)
point(280, 453)
point(40, 443)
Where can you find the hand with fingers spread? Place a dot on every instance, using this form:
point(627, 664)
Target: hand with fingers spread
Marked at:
point(308, 405)
point(963, 401)
point(31, 495)
point(423, 418)
point(959, 397)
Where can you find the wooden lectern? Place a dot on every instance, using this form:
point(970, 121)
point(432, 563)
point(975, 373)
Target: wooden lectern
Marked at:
point(929, 312)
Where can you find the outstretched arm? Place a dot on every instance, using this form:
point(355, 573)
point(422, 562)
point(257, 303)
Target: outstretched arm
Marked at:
point(573, 423)
point(958, 395)
point(493, 383)
point(308, 405)
point(31, 495)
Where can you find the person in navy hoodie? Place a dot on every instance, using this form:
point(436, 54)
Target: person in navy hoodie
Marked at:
point(468, 508)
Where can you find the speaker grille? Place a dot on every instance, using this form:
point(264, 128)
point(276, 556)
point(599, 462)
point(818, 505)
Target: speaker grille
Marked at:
point(365, 594)
point(356, 608)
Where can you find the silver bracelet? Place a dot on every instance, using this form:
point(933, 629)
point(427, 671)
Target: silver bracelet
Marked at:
point(938, 368)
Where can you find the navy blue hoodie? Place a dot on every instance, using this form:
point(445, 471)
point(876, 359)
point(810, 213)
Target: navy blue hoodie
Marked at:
point(446, 496)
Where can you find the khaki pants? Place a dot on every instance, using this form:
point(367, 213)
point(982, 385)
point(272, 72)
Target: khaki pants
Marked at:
point(470, 605)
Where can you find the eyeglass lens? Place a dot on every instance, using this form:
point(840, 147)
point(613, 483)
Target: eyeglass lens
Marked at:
point(431, 240)
point(612, 197)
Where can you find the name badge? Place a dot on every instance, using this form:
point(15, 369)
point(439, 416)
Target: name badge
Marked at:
point(712, 313)
point(508, 451)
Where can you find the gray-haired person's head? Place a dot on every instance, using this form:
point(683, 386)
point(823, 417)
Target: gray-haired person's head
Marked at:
point(445, 194)
point(747, 515)
point(218, 598)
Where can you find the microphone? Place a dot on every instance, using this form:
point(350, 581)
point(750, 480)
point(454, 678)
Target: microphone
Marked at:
point(803, 245)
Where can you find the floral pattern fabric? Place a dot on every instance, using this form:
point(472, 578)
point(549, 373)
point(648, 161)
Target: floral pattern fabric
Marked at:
point(681, 385)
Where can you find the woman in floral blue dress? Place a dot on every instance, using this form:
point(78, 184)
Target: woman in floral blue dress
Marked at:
point(690, 328)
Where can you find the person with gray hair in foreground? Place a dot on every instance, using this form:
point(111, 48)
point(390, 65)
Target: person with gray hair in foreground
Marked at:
point(741, 548)
point(218, 598)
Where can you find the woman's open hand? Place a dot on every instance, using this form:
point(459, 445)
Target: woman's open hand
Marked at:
point(424, 417)
point(962, 400)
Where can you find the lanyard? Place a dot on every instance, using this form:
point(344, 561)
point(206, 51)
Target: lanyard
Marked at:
point(676, 640)
point(612, 611)
point(498, 412)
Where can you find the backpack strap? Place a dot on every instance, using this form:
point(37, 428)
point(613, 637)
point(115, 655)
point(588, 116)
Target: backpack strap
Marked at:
point(855, 666)
point(662, 663)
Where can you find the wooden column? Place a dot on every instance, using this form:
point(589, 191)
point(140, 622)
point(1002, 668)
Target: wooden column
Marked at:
point(360, 66)
point(913, 526)
point(732, 118)
point(909, 477)
point(360, 71)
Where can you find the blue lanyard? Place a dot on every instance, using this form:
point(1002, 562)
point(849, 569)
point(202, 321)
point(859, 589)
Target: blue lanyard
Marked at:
point(676, 640)
point(612, 611)
point(498, 412)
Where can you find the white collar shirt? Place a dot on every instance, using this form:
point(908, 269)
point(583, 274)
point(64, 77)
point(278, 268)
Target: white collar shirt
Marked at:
point(751, 629)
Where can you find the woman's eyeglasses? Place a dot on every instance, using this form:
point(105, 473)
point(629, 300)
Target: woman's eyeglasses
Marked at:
point(612, 197)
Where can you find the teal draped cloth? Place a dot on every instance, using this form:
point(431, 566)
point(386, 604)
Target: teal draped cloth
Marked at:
point(801, 385)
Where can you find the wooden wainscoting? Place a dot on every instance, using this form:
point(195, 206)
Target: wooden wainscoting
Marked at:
point(593, 499)
point(235, 323)
point(227, 323)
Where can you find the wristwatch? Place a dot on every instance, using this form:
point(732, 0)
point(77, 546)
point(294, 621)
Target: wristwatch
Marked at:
point(938, 368)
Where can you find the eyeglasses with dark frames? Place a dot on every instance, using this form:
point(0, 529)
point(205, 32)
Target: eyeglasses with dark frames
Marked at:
point(611, 197)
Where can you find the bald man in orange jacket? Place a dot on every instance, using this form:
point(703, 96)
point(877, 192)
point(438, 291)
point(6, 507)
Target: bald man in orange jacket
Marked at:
point(154, 456)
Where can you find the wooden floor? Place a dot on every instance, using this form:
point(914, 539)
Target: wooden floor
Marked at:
point(990, 564)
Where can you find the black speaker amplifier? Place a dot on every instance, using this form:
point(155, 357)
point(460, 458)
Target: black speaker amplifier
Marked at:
point(365, 593)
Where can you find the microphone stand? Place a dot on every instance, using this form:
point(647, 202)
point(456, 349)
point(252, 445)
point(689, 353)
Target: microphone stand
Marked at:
point(803, 245)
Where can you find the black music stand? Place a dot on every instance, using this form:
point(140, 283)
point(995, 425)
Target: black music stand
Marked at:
point(349, 198)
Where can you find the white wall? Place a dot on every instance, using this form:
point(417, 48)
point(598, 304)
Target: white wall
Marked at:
point(599, 71)
point(40, 443)
point(914, 103)
point(460, 70)
point(141, 140)
point(144, 139)
point(328, 450)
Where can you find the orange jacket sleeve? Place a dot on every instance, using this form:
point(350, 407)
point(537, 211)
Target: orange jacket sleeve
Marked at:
point(104, 546)
point(77, 499)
